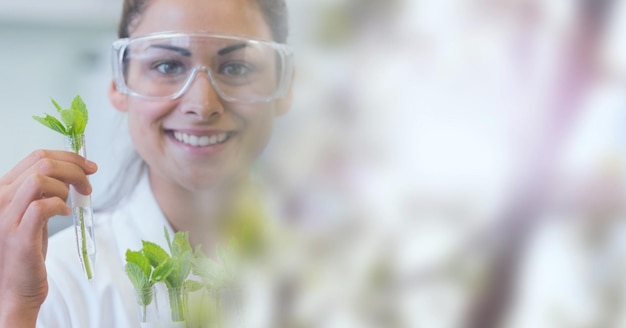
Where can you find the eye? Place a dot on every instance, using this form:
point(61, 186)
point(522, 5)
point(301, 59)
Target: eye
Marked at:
point(169, 67)
point(236, 69)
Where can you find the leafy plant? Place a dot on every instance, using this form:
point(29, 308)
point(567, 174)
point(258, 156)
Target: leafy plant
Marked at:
point(143, 276)
point(72, 125)
point(152, 264)
point(73, 121)
point(176, 282)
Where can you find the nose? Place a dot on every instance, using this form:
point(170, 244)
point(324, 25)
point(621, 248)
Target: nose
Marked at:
point(201, 99)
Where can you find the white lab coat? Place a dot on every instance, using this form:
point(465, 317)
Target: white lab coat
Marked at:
point(108, 300)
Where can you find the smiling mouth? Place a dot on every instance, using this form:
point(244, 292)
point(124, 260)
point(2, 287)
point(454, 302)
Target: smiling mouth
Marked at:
point(201, 141)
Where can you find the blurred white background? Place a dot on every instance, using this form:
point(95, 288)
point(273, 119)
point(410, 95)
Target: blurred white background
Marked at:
point(483, 142)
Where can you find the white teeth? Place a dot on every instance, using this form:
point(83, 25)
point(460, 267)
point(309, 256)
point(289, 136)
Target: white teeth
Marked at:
point(193, 140)
point(201, 141)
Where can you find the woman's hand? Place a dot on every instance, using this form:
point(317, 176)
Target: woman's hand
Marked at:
point(31, 193)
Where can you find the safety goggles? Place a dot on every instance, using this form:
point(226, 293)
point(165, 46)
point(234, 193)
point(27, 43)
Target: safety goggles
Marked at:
point(163, 66)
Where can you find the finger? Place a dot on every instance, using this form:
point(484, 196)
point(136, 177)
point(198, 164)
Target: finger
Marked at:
point(36, 217)
point(68, 172)
point(35, 188)
point(88, 167)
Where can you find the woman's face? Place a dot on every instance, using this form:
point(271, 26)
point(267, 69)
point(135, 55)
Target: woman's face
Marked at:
point(160, 130)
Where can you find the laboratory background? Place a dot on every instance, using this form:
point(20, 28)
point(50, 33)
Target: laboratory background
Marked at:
point(471, 151)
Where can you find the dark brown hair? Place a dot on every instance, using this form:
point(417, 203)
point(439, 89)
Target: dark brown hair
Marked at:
point(274, 12)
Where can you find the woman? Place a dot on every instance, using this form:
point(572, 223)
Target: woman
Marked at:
point(200, 94)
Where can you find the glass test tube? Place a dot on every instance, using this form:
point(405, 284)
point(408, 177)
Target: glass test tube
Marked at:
point(82, 214)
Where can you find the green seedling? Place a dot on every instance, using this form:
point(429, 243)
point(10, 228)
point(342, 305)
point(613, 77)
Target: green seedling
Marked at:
point(72, 125)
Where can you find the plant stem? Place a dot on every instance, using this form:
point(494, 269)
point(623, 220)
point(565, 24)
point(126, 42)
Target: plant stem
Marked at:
point(177, 304)
point(76, 143)
point(83, 245)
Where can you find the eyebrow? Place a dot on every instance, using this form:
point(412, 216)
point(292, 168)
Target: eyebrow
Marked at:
point(232, 48)
point(182, 51)
point(187, 53)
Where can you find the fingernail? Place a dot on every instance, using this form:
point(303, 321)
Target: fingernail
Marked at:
point(91, 165)
point(68, 210)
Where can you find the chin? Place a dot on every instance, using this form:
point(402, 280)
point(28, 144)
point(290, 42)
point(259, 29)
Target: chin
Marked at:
point(213, 181)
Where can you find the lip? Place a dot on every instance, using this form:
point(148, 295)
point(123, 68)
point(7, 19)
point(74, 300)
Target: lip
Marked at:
point(200, 150)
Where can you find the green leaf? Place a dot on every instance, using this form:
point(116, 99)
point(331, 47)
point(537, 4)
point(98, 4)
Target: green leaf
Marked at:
point(79, 105)
point(80, 123)
point(136, 276)
point(73, 121)
point(144, 297)
point(140, 283)
point(182, 268)
point(181, 244)
point(185, 266)
point(141, 261)
point(68, 117)
point(59, 108)
point(167, 237)
point(163, 271)
point(204, 268)
point(154, 253)
point(52, 123)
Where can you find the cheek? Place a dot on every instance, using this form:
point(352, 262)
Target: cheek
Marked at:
point(138, 135)
point(261, 130)
point(146, 115)
point(144, 122)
